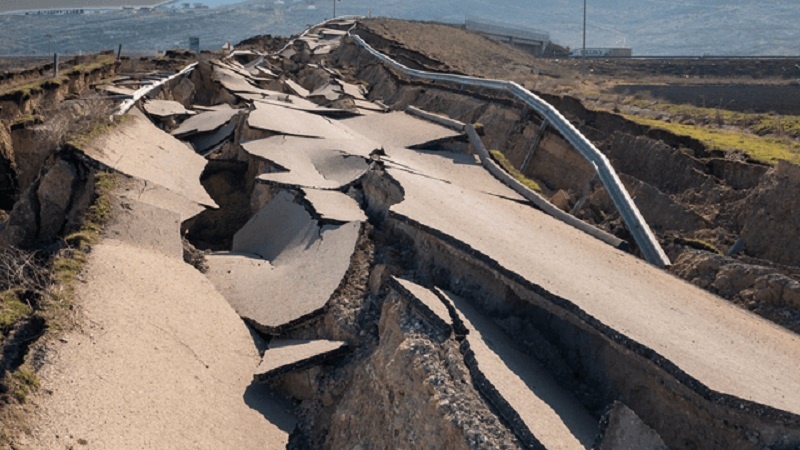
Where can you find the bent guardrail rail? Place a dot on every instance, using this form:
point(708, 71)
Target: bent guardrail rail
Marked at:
point(125, 106)
point(312, 27)
point(505, 178)
point(641, 232)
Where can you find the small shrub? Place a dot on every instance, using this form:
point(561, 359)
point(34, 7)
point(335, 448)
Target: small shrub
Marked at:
point(12, 310)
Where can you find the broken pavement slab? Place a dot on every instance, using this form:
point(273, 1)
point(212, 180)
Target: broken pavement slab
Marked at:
point(139, 149)
point(165, 108)
point(334, 205)
point(282, 120)
point(207, 131)
point(276, 280)
point(427, 303)
point(606, 285)
point(116, 90)
point(205, 122)
point(369, 106)
point(235, 82)
point(285, 356)
point(162, 362)
point(158, 196)
point(296, 144)
point(220, 107)
point(523, 391)
point(146, 226)
point(295, 102)
point(399, 129)
point(296, 88)
point(356, 91)
point(330, 92)
point(313, 166)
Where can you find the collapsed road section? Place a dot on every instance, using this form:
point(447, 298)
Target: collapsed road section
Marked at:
point(396, 293)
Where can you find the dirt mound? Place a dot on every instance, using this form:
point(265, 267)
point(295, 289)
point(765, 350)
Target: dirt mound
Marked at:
point(770, 222)
point(450, 48)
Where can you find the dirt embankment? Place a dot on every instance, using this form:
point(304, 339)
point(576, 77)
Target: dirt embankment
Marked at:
point(701, 203)
point(49, 202)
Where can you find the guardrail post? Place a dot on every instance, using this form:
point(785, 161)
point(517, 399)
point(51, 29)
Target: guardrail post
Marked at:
point(585, 196)
point(55, 65)
point(534, 145)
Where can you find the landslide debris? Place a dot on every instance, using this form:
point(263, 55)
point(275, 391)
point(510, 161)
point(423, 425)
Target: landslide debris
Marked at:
point(54, 202)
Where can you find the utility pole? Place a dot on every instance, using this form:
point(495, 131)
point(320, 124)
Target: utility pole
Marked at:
point(583, 55)
point(334, 8)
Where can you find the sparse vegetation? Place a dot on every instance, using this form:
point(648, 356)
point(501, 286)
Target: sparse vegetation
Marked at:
point(12, 310)
point(24, 381)
point(26, 120)
point(764, 149)
point(25, 91)
point(71, 260)
point(81, 137)
point(759, 124)
point(41, 288)
point(698, 244)
point(508, 167)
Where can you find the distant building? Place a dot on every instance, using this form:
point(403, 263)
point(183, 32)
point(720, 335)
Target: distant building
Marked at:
point(603, 52)
point(528, 39)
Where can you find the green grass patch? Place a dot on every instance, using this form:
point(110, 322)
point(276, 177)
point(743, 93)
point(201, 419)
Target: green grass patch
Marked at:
point(26, 91)
point(12, 310)
point(757, 123)
point(99, 63)
point(699, 245)
point(24, 382)
point(69, 264)
point(81, 139)
point(764, 149)
point(508, 167)
point(777, 125)
point(26, 120)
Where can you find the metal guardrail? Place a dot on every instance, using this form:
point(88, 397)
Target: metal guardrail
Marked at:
point(634, 221)
point(312, 27)
point(125, 106)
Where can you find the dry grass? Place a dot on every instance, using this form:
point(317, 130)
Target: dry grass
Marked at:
point(55, 279)
point(764, 149)
point(501, 159)
point(25, 91)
